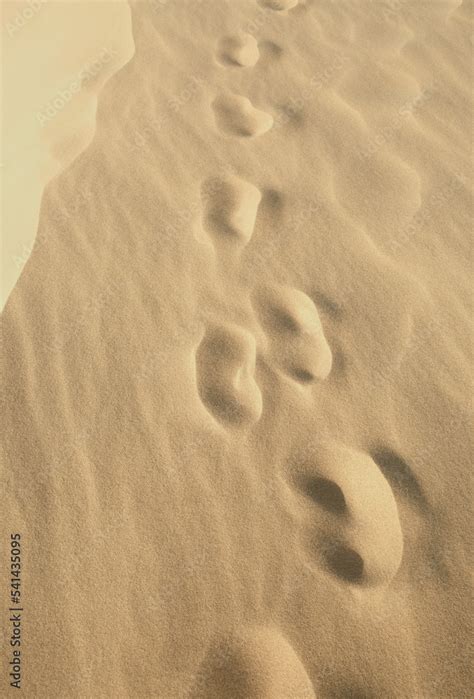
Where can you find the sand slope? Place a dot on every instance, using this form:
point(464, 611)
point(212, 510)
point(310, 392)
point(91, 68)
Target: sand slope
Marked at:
point(237, 364)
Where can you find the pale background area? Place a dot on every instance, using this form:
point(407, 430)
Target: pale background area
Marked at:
point(56, 56)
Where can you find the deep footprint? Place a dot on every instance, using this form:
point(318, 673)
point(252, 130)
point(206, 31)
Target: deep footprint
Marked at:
point(239, 50)
point(356, 526)
point(237, 116)
point(225, 366)
point(230, 208)
point(292, 321)
point(252, 663)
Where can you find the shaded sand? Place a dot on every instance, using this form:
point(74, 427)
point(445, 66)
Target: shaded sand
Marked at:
point(237, 364)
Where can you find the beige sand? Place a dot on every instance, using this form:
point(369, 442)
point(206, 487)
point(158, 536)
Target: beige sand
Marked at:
point(237, 363)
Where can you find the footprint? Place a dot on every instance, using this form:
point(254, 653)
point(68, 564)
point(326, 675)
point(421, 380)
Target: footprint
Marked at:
point(230, 207)
point(225, 365)
point(356, 533)
point(237, 116)
point(292, 321)
point(278, 5)
point(239, 50)
point(252, 663)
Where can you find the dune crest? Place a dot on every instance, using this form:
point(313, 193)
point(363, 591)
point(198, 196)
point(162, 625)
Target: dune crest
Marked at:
point(49, 105)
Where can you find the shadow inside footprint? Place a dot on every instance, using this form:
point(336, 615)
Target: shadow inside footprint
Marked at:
point(346, 563)
point(323, 491)
point(280, 320)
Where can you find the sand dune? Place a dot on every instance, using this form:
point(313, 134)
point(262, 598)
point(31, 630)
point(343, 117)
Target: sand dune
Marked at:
point(237, 362)
point(49, 104)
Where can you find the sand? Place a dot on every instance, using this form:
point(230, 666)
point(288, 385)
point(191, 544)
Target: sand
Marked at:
point(237, 349)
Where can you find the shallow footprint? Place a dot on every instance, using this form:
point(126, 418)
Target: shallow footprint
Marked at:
point(292, 320)
point(356, 532)
point(230, 207)
point(252, 663)
point(239, 50)
point(237, 116)
point(225, 364)
point(278, 5)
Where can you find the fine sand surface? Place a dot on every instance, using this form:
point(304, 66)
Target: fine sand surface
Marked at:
point(238, 361)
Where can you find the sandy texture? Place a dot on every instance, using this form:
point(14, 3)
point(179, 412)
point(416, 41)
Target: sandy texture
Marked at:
point(237, 364)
